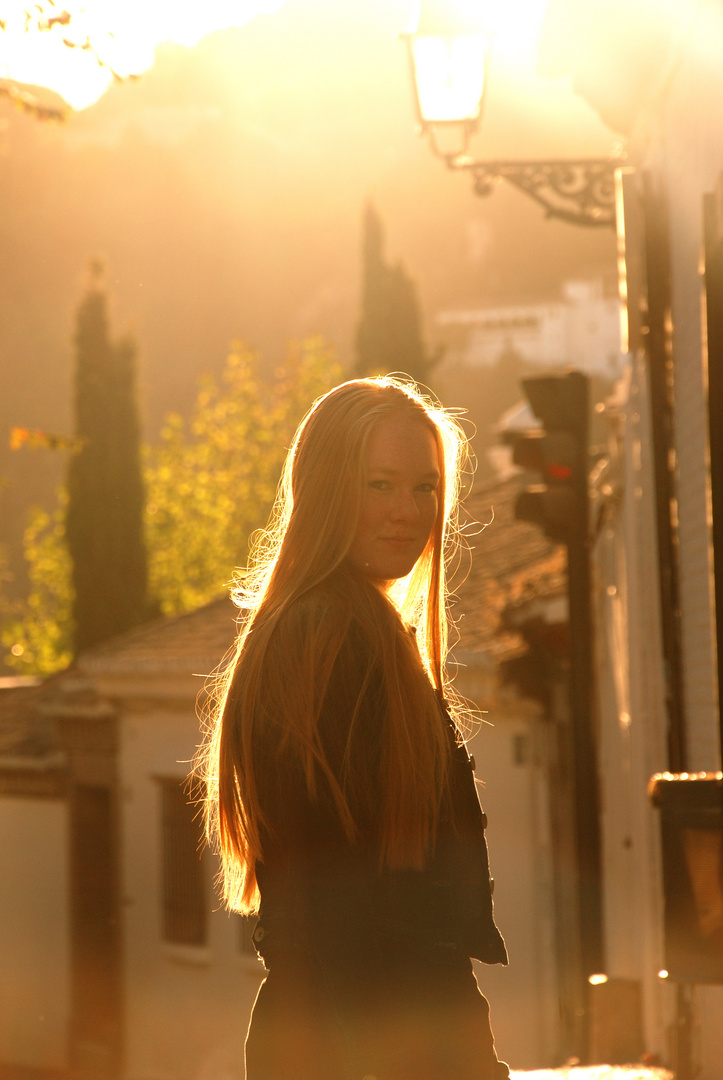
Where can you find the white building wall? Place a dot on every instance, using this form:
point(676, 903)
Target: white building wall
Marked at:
point(582, 330)
point(187, 1007)
point(680, 140)
point(633, 723)
point(34, 933)
point(511, 759)
point(633, 739)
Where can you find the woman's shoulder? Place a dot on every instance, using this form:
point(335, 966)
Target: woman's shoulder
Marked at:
point(337, 604)
point(316, 610)
point(320, 650)
point(335, 624)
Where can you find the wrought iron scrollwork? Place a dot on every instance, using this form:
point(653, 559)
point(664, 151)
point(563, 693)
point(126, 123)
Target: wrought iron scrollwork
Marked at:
point(579, 192)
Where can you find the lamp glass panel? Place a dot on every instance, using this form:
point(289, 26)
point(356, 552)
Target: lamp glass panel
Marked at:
point(450, 74)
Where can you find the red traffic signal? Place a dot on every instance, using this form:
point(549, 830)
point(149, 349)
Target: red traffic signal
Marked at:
point(558, 452)
point(554, 455)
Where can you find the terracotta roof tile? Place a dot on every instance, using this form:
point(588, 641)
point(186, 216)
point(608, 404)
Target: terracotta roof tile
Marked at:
point(194, 642)
point(25, 730)
point(507, 564)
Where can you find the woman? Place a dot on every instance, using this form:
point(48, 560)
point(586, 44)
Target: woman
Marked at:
point(339, 792)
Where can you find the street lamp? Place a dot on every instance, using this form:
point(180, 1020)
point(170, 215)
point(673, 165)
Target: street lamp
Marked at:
point(448, 49)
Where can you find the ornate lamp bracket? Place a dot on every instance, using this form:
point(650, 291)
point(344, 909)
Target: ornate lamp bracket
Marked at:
point(579, 192)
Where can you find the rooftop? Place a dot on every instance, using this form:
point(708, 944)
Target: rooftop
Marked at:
point(194, 642)
point(509, 564)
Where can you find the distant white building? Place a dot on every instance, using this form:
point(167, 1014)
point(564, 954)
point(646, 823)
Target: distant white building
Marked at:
point(581, 330)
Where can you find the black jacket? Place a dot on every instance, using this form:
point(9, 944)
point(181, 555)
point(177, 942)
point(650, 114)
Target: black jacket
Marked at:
point(325, 899)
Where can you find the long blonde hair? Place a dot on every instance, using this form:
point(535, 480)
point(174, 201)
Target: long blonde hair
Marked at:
point(311, 529)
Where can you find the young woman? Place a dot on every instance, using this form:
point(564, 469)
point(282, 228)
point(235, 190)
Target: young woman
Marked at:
point(339, 792)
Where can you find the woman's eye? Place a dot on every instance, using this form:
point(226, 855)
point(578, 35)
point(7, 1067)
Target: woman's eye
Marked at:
point(379, 485)
point(426, 488)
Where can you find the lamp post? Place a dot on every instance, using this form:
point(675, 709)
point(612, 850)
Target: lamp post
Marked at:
point(448, 51)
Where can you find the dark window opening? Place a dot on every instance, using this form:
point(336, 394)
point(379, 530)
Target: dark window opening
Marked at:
point(184, 893)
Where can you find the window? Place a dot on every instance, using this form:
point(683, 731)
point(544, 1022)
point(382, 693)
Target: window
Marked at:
point(521, 749)
point(184, 893)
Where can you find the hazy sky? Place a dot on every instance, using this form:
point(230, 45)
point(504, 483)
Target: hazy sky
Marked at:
point(124, 34)
point(225, 189)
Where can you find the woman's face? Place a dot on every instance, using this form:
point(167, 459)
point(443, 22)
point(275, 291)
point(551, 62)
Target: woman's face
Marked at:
point(399, 498)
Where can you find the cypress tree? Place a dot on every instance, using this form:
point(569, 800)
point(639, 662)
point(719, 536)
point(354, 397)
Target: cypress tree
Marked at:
point(389, 334)
point(104, 523)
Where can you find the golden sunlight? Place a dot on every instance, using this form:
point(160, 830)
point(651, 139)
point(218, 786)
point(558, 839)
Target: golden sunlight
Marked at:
point(513, 25)
point(516, 27)
point(77, 59)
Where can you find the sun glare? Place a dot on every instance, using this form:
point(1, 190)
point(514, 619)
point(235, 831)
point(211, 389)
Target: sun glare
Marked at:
point(514, 25)
point(123, 35)
point(517, 26)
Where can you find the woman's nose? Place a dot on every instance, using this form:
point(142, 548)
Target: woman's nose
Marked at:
point(405, 507)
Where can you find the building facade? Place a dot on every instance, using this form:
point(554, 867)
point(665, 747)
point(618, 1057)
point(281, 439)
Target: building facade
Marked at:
point(581, 329)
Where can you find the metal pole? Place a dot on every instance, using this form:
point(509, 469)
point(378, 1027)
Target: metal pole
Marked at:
point(658, 348)
point(713, 239)
point(659, 353)
point(587, 797)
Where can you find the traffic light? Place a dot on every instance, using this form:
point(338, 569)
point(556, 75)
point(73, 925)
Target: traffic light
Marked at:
point(558, 504)
point(558, 450)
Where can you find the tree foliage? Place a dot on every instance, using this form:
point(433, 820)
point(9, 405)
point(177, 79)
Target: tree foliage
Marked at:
point(38, 634)
point(210, 484)
point(104, 520)
point(46, 17)
point(42, 17)
point(389, 334)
